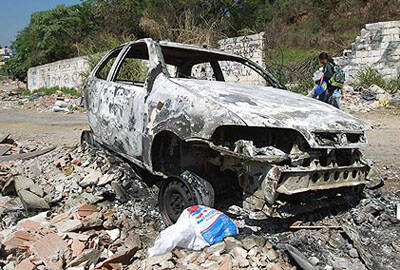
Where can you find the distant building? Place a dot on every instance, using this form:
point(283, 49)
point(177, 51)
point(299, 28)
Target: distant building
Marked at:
point(6, 53)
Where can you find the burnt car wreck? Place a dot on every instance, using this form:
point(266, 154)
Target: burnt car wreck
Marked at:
point(184, 113)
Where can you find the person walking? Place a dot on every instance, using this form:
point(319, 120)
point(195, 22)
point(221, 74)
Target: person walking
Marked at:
point(331, 75)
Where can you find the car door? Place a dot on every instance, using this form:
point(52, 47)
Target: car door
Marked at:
point(95, 102)
point(125, 94)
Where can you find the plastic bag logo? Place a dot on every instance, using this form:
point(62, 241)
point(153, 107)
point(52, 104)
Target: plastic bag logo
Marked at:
point(213, 223)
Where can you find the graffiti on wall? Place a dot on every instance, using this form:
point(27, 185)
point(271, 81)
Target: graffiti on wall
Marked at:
point(64, 73)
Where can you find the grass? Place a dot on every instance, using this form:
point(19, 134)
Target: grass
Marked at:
point(370, 76)
point(293, 66)
point(52, 90)
point(289, 56)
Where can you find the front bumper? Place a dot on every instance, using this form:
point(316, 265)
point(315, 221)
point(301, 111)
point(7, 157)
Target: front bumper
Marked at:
point(283, 182)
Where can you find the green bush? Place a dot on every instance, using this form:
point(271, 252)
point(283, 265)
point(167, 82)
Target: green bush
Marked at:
point(367, 77)
point(52, 90)
point(393, 86)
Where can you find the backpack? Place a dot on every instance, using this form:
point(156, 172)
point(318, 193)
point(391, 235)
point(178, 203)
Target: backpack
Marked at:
point(338, 77)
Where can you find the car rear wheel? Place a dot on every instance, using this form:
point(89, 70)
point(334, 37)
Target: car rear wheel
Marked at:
point(87, 137)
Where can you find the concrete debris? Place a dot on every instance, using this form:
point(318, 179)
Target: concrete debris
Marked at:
point(366, 99)
point(58, 102)
point(90, 228)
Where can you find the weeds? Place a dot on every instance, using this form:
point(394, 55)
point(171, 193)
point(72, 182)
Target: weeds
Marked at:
point(52, 90)
point(370, 76)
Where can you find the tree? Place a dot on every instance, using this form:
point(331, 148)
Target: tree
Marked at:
point(50, 36)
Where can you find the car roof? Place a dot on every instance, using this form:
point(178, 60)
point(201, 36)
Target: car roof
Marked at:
point(192, 47)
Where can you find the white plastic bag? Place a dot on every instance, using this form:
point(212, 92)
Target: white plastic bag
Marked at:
point(197, 227)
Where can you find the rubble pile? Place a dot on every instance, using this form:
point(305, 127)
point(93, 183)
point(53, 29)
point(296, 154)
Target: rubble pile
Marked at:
point(366, 99)
point(84, 208)
point(58, 102)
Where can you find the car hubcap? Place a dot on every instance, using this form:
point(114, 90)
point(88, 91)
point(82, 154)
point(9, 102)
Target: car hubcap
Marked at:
point(175, 196)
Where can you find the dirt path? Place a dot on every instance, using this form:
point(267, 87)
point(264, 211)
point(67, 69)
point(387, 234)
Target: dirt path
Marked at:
point(384, 145)
point(49, 127)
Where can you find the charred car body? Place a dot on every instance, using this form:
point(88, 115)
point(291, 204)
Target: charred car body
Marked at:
point(183, 112)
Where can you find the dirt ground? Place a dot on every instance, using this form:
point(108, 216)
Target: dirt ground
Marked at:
point(65, 129)
point(384, 145)
point(46, 127)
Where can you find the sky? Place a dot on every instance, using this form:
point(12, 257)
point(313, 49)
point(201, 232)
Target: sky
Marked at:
point(15, 15)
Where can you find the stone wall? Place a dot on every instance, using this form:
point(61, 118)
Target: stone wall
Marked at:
point(63, 73)
point(67, 73)
point(377, 47)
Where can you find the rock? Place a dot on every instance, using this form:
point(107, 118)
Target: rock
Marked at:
point(239, 252)
point(105, 179)
point(119, 191)
point(91, 179)
point(251, 241)
point(271, 254)
point(68, 225)
point(124, 256)
point(166, 265)
point(253, 252)
point(231, 242)
point(226, 263)
point(313, 260)
point(37, 190)
point(210, 265)
point(77, 247)
point(86, 210)
point(32, 201)
point(274, 266)
point(22, 183)
point(9, 266)
point(353, 253)
point(218, 247)
point(114, 234)
point(92, 221)
point(25, 264)
point(158, 259)
point(190, 258)
point(49, 249)
point(202, 257)
point(109, 223)
point(87, 257)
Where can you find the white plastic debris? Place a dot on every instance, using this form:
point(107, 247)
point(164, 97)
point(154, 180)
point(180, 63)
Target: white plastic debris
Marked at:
point(197, 227)
point(398, 211)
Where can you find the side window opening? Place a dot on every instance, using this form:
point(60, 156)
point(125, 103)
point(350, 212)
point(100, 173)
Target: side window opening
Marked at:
point(134, 67)
point(105, 68)
point(203, 71)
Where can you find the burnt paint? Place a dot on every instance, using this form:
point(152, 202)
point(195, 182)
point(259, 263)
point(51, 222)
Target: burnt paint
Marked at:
point(195, 108)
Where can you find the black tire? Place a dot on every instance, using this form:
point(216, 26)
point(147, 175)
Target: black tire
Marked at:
point(175, 195)
point(202, 188)
point(87, 137)
point(178, 193)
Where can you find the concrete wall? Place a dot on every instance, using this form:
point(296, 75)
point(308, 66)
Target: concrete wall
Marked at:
point(63, 73)
point(250, 46)
point(67, 73)
point(377, 47)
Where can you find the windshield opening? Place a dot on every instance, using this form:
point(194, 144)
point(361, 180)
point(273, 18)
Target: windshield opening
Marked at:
point(201, 64)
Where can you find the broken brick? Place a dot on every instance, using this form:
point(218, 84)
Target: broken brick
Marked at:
point(77, 247)
point(86, 210)
point(25, 265)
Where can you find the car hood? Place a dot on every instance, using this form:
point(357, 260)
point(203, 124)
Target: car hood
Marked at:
point(272, 107)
